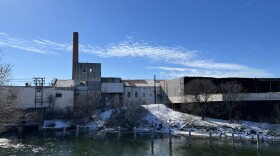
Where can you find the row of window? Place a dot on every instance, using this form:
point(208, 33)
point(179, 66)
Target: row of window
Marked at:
point(90, 70)
point(135, 94)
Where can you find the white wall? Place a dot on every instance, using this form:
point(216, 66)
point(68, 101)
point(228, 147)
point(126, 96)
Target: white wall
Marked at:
point(26, 97)
point(64, 102)
point(147, 99)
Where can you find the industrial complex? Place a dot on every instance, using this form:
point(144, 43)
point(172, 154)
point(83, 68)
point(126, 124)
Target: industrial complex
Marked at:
point(63, 97)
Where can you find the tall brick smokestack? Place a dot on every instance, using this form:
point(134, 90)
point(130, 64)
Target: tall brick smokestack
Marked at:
point(75, 52)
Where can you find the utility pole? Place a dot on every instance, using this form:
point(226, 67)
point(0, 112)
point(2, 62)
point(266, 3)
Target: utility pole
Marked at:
point(39, 83)
point(155, 90)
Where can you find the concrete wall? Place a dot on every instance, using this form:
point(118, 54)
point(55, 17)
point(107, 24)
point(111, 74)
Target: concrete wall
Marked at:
point(145, 95)
point(87, 72)
point(260, 96)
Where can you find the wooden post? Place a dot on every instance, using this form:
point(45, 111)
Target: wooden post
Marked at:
point(20, 129)
point(170, 141)
point(134, 131)
point(40, 127)
point(170, 149)
point(258, 141)
point(152, 147)
point(90, 134)
point(104, 136)
point(152, 134)
point(64, 130)
point(119, 133)
point(190, 138)
point(233, 143)
point(211, 139)
point(220, 136)
point(77, 130)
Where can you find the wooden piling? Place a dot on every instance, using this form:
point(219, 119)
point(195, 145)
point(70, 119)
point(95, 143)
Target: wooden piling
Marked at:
point(152, 134)
point(220, 137)
point(105, 131)
point(64, 130)
point(20, 130)
point(170, 149)
point(190, 138)
point(77, 130)
point(134, 131)
point(233, 141)
point(152, 147)
point(170, 140)
point(40, 127)
point(211, 139)
point(258, 141)
point(119, 133)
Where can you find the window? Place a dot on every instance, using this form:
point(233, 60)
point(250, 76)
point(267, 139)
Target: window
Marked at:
point(136, 94)
point(58, 95)
point(128, 94)
point(144, 94)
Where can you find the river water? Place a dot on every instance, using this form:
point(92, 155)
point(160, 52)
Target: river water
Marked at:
point(53, 143)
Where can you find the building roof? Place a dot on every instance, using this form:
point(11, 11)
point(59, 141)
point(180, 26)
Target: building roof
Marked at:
point(64, 83)
point(141, 83)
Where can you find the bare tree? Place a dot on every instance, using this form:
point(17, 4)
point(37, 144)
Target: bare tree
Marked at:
point(5, 71)
point(200, 91)
point(231, 98)
point(88, 105)
point(128, 116)
point(11, 111)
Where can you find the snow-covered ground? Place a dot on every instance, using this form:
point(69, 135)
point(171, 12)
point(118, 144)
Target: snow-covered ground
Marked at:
point(161, 117)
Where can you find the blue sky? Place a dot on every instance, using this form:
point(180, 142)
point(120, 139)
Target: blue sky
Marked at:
point(135, 39)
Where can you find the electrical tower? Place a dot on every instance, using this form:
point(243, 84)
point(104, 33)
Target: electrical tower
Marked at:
point(39, 83)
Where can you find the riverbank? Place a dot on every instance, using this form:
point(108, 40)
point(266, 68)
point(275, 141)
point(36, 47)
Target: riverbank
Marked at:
point(163, 118)
point(181, 123)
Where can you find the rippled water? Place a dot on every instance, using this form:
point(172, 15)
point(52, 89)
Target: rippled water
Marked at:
point(53, 143)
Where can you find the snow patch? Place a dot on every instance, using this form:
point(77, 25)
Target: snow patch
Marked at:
point(106, 115)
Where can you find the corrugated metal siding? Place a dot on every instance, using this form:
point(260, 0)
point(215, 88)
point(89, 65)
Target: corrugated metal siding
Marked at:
point(175, 87)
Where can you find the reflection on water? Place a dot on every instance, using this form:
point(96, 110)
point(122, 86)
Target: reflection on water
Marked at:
point(53, 143)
